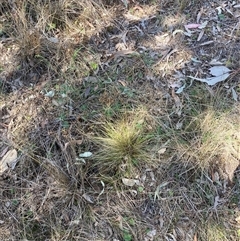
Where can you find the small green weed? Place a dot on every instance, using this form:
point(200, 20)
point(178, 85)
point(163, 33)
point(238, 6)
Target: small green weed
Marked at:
point(127, 236)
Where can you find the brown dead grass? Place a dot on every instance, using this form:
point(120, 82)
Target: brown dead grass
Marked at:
point(70, 48)
point(217, 140)
point(47, 35)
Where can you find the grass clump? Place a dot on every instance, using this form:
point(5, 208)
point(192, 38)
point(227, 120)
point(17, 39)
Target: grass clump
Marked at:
point(214, 231)
point(216, 140)
point(123, 143)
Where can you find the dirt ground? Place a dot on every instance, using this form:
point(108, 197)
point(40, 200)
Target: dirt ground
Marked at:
point(67, 68)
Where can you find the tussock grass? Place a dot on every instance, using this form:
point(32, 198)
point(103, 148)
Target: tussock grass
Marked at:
point(123, 143)
point(215, 231)
point(216, 138)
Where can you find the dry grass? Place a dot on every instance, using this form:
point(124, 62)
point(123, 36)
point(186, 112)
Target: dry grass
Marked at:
point(69, 86)
point(216, 141)
point(216, 231)
point(46, 35)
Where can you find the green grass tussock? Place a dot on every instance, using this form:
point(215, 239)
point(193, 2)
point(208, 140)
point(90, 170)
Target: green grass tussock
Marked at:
point(123, 143)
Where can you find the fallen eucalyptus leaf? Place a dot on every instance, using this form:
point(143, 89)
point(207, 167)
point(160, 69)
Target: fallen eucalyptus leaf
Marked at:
point(88, 198)
point(213, 80)
point(203, 25)
point(128, 182)
point(220, 73)
point(195, 60)
point(215, 62)
point(206, 43)
point(85, 154)
point(234, 94)
point(79, 160)
point(237, 6)
point(199, 15)
point(192, 25)
point(180, 90)
point(4, 151)
point(219, 70)
point(9, 160)
point(188, 33)
point(162, 150)
point(200, 35)
point(50, 93)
